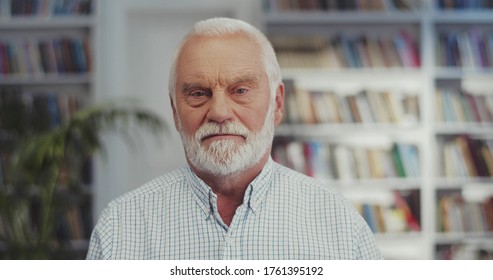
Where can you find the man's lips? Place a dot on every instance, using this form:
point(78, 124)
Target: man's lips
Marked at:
point(221, 135)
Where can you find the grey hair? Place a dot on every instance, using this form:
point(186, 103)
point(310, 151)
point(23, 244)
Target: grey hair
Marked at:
point(216, 27)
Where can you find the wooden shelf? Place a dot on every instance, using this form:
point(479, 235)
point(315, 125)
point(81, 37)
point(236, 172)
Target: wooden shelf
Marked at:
point(40, 22)
point(317, 130)
point(464, 237)
point(48, 79)
point(464, 128)
point(346, 17)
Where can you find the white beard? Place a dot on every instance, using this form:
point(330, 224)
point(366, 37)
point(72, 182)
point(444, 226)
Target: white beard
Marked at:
point(226, 157)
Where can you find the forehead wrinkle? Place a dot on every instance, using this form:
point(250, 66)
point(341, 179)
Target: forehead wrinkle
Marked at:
point(240, 77)
point(224, 79)
point(195, 80)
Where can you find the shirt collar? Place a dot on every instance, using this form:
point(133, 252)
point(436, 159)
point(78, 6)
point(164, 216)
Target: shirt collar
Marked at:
point(254, 194)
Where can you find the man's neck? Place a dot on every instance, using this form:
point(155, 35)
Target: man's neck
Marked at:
point(230, 190)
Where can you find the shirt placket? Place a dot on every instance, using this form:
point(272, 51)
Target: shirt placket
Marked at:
point(232, 241)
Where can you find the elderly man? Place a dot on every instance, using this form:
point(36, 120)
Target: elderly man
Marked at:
point(231, 201)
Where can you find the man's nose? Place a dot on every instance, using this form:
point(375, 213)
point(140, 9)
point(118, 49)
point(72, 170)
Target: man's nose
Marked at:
point(220, 108)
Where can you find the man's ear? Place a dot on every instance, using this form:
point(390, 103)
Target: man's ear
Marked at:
point(279, 103)
point(175, 113)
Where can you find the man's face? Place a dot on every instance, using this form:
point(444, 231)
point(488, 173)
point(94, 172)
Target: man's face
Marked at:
point(223, 106)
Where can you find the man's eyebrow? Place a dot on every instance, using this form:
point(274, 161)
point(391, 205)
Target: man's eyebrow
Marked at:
point(186, 87)
point(250, 79)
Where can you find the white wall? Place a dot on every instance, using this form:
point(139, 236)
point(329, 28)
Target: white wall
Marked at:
point(134, 44)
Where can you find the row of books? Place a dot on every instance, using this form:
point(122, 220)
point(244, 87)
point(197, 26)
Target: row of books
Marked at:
point(468, 49)
point(45, 56)
point(330, 161)
point(343, 51)
point(23, 110)
point(45, 7)
point(455, 214)
point(461, 4)
point(455, 105)
point(463, 252)
point(402, 216)
point(367, 106)
point(465, 157)
point(341, 5)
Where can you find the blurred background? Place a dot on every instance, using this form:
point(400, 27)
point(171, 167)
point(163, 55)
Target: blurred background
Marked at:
point(389, 101)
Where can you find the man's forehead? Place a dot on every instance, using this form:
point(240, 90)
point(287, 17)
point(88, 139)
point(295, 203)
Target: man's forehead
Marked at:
point(226, 77)
point(216, 47)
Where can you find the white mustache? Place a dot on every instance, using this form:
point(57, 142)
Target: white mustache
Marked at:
point(211, 128)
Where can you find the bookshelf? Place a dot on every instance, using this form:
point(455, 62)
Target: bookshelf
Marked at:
point(46, 73)
point(412, 74)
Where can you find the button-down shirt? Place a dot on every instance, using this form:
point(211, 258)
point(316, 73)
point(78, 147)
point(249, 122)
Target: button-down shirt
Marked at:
point(284, 215)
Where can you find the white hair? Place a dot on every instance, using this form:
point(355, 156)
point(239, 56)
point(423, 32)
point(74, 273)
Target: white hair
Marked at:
point(217, 27)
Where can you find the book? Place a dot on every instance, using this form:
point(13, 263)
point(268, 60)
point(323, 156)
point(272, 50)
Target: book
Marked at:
point(369, 216)
point(363, 170)
point(474, 146)
point(411, 220)
point(305, 106)
point(487, 207)
point(378, 111)
point(375, 164)
point(353, 107)
point(485, 107)
point(457, 108)
point(394, 106)
point(466, 50)
point(320, 160)
point(473, 108)
point(398, 163)
point(291, 115)
point(363, 105)
point(346, 113)
point(332, 108)
point(375, 52)
point(448, 108)
point(321, 112)
point(345, 168)
point(463, 146)
point(296, 156)
point(395, 220)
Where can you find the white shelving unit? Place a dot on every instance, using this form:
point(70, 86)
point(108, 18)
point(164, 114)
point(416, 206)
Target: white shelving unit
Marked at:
point(424, 24)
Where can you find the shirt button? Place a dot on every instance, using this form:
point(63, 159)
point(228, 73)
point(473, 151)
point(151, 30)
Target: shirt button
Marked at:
point(230, 241)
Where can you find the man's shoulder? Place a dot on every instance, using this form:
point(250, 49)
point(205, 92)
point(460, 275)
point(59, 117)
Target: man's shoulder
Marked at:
point(296, 179)
point(159, 185)
point(315, 193)
point(307, 188)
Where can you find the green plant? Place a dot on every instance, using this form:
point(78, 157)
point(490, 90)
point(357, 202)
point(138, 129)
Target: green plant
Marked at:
point(45, 175)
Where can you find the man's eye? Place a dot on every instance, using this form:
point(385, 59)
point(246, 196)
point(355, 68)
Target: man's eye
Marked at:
point(197, 93)
point(240, 90)
point(197, 97)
